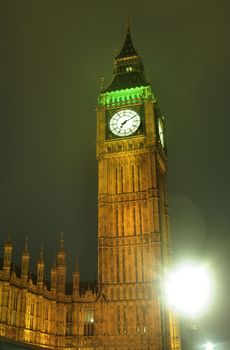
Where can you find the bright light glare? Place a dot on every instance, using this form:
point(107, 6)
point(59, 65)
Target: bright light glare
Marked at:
point(209, 346)
point(188, 289)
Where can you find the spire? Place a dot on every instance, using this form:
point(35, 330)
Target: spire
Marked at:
point(61, 243)
point(76, 265)
point(128, 48)
point(61, 256)
point(8, 248)
point(8, 242)
point(61, 267)
point(76, 278)
point(26, 250)
point(41, 257)
point(40, 268)
point(41, 254)
point(9, 235)
point(128, 68)
point(25, 262)
point(54, 276)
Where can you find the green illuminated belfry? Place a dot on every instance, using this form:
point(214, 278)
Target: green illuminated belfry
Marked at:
point(128, 83)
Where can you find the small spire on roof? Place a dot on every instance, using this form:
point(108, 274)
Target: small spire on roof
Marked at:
point(9, 235)
point(41, 253)
point(61, 242)
point(76, 265)
point(26, 249)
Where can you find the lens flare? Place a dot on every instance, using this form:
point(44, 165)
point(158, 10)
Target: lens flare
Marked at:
point(189, 289)
point(209, 346)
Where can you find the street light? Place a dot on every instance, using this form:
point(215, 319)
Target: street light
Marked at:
point(209, 346)
point(188, 290)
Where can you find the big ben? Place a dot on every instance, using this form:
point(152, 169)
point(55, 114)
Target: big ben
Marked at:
point(133, 234)
point(125, 309)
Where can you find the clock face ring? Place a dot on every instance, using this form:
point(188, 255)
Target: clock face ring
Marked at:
point(124, 122)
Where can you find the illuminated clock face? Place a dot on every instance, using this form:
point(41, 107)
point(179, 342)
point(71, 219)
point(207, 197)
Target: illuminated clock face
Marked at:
point(161, 132)
point(124, 122)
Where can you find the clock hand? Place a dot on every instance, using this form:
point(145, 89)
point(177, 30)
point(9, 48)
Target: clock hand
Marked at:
point(120, 130)
point(130, 118)
point(124, 122)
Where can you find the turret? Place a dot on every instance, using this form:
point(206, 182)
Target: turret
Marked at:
point(61, 267)
point(8, 248)
point(25, 262)
point(40, 269)
point(76, 279)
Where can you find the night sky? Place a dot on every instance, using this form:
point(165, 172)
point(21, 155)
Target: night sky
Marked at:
point(53, 55)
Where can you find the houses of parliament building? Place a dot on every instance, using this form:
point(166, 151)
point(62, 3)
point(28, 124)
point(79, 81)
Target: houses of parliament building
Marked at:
point(126, 309)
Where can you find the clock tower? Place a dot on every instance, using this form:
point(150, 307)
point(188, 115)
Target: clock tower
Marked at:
point(133, 234)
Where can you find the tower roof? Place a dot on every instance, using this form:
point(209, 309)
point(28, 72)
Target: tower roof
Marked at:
point(128, 48)
point(128, 68)
point(41, 257)
point(61, 249)
point(26, 249)
point(8, 242)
